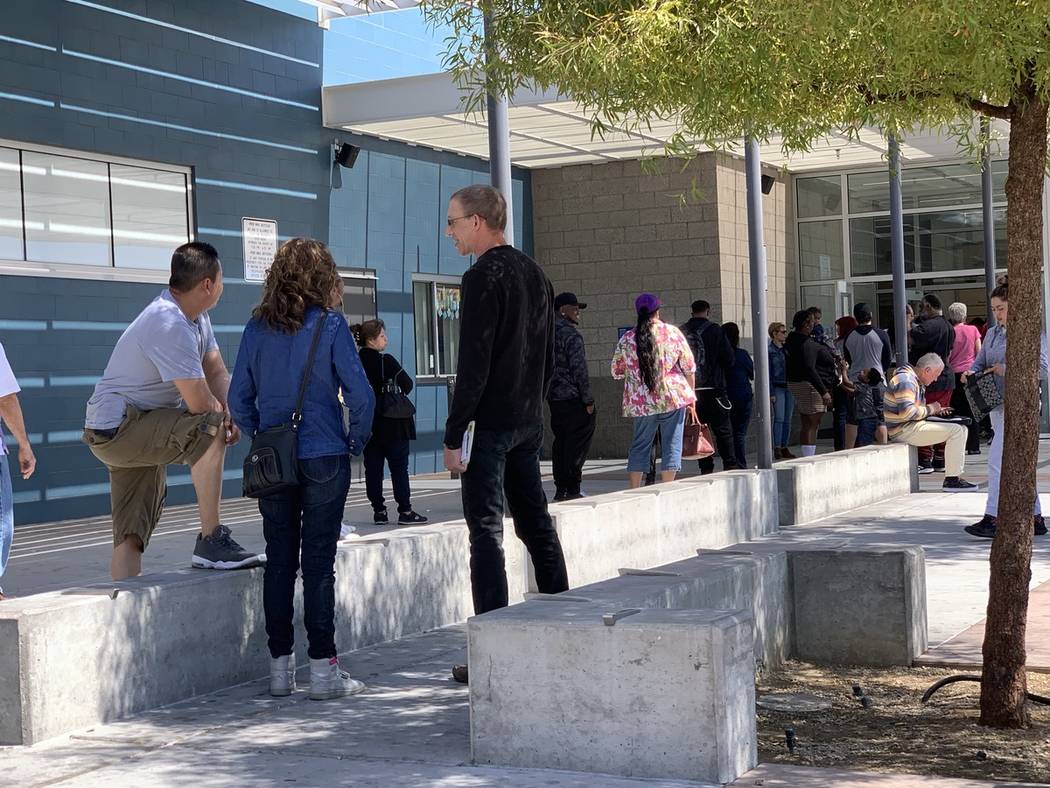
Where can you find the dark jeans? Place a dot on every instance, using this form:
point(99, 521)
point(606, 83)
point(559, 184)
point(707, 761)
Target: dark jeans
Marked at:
point(866, 432)
point(573, 429)
point(961, 406)
point(740, 418)
point(717, 418)
point(305, 519)
point(840, 410)
point(508, 462)
point(395, 454)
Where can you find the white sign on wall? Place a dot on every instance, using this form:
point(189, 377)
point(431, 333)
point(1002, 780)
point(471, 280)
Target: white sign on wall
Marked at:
point(260, 246)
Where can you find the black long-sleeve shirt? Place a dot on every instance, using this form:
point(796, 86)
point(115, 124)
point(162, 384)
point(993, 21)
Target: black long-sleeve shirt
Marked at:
point(718, 353)
point(570, 381)
point(378, 368)
point(506, 345)
point(810, 360)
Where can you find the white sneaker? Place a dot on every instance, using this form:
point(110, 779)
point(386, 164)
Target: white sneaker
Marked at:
point(282, 676)
point(327, 681)
point(346, 530)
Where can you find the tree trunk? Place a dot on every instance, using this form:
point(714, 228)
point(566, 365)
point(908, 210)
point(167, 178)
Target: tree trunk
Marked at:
point(1003, 680)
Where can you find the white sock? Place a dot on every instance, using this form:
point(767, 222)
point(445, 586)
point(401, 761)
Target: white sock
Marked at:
point(809, 451)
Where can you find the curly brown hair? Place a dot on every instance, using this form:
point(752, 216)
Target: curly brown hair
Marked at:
point(303, 274)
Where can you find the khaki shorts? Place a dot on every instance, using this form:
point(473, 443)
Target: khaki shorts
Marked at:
point(137, 456)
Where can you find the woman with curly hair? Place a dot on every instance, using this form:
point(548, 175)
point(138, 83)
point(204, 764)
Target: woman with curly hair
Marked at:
point(271, 364)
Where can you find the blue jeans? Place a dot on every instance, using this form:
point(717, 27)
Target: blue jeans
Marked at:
point(305, 519)
point(670, 425)
point(783, 407)
point(866, 432)
point(507, 463)
point(394, 454)
point(7, 513)
point(740, 418)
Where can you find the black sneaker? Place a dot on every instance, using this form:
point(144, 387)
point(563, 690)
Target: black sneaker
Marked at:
point(957, 483)
point(972, 452)
point(380, 517)
point(410, 518)
point(220, 551)
point(461, 674)
point(576, 495)
point(938, 468)
point(559, 495)
point(1039, 525)
point(924, 469)
point(984, 528)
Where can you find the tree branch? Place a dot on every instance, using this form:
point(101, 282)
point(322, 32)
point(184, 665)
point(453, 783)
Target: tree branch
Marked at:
point(982, 107)
point(991, 110)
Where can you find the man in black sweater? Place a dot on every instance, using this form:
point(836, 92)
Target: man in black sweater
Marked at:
point(506, 360)
point(713, 355)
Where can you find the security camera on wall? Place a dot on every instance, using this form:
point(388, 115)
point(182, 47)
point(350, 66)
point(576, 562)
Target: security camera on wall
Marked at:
point(345, 154)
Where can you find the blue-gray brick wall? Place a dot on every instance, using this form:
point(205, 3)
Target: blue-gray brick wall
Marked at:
point(120, 84)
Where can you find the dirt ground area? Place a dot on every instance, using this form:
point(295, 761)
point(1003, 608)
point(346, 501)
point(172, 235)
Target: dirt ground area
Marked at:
point(898, 733)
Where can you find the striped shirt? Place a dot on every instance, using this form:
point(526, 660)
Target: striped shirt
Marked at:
point(904, 400)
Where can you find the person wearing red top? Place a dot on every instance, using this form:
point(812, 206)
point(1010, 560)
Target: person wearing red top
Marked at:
point(965, 348)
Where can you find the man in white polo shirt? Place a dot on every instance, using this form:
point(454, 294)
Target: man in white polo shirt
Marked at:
point(11, 415)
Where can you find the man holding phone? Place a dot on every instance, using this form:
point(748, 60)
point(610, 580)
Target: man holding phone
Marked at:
point(506, 361)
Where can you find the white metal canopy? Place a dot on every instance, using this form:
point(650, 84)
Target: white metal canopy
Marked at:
point(547, 130)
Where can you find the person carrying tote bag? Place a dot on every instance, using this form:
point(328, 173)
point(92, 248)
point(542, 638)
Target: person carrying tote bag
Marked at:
point(301, 522)
point(393, 425)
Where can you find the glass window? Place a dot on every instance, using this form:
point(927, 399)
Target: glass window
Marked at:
point(943, 241)
point(829, 300)
point(818, 197)
point(820, 250)
point(925, 187)
point(423, 308)
point(66, 209)
point(10, 207)
point(437, 318)
point(149, 216)
point(447, 307)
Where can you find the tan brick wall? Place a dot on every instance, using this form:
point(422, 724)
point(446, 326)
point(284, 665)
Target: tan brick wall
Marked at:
point(610, 231)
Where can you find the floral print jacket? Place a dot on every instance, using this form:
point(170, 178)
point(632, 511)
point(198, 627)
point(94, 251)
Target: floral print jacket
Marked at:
point(674, 363)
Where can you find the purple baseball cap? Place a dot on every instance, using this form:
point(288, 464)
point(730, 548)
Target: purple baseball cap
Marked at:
point(648, 302)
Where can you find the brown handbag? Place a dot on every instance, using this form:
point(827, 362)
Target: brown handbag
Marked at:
point(697, 440)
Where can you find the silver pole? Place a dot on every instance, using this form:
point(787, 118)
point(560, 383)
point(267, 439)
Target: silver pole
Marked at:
point(757, 258)
point(499, 147)
point(900, 333)
point(988, 215)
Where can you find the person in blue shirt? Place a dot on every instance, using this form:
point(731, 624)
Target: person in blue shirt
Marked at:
point(738, 389)
point(300, 285)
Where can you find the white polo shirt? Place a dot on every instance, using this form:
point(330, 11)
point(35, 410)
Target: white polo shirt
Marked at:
point(8, 385)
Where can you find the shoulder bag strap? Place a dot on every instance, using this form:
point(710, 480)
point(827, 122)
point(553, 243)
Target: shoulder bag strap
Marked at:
point(297, 416)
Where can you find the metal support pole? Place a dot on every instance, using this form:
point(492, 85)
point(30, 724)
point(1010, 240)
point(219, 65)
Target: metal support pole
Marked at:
point(499, 148)
point(900, 333)
point(757, 258)
point(988, 215)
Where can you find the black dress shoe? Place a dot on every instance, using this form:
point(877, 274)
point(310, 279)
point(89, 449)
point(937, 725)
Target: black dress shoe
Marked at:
point(984, 528)
point(955, 483)
point(460, 674)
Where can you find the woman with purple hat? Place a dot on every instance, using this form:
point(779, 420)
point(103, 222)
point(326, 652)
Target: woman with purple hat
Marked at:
point(655, 361)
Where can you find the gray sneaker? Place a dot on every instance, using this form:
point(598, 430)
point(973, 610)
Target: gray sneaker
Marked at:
point(327, 681)
point(282, 676)
point(220, 551)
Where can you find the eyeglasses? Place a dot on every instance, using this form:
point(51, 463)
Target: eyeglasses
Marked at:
point(455, 219)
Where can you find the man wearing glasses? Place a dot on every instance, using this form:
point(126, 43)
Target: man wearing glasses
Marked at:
point(506, 360)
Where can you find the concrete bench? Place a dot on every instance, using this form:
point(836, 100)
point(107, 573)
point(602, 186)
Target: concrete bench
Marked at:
point(660, 693)
point(810, 488)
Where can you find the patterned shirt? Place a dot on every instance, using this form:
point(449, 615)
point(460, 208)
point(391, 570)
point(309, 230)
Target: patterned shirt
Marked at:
point(904, 400)
point(674, 360)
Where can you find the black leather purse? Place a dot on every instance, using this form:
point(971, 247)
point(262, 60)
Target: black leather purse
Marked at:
point(272, 464)
point(393, 404)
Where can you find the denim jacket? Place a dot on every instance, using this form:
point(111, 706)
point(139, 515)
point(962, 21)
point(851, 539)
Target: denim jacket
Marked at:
point(993, 351)
point(266, 377)
point(777, 367)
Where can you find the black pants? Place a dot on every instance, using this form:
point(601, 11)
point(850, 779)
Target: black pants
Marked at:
point(395, 454)
point(717, 418)
point(740, 419)
point(508, 462)
point(304, 520)
point(573, 429)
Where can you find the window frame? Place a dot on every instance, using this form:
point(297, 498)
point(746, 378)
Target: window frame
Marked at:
point(432, 281)
point(110, 273)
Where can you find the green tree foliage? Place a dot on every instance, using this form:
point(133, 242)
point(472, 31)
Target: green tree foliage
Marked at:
point(797, 70)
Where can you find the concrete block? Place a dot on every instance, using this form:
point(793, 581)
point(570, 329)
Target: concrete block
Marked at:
point(810, 488)
point(859, 607)
point(663, 523)
point(661, 694)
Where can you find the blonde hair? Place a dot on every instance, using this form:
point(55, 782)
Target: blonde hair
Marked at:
point(774, 328)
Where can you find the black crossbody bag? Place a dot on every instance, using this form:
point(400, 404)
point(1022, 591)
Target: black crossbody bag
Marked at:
point(272, 464)
point(392, 403)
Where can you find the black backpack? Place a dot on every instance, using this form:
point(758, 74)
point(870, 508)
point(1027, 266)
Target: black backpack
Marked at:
point(696, 345)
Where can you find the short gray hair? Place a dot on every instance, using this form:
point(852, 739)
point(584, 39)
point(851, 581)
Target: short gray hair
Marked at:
point(930, 361)
point(484, 201)
point(957, 312)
